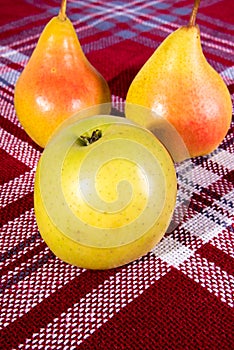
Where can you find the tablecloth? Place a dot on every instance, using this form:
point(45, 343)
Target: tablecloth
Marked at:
point(179, 295)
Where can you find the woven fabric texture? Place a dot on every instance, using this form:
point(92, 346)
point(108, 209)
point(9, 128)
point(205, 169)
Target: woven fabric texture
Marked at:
point(181, 294)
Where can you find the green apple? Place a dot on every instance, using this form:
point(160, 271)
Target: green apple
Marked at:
point(105, 191)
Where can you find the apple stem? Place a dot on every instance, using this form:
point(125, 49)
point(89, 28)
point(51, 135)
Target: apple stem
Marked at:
point(62, 12)
point(193, 16)
point(88, 140)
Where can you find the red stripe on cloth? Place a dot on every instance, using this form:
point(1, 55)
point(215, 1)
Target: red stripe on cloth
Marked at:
point(222, 186)
point(185, 237)
point(202, 199)
point(49, 308)
point(209, 164)
point(28, 47)
point(22, 9)
point(195, 207)
point(217, 9)
point(217, 256)
point(131, 56)
point(230, 177)
point(24, 258)
point(10, 167)
point(7, 91)
point(225, 240)
point(224, 59)
point(231, 88)
point(15, 130)
point(10, 64)
point(19, 32)
point(228, 143)
point(175, 312)
point(16, 208)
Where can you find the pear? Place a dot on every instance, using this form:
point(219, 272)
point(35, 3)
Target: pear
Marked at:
point(57, 82)
point(178, 85)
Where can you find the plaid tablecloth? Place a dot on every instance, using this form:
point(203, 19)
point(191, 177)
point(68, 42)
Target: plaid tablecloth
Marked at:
point(178, 296)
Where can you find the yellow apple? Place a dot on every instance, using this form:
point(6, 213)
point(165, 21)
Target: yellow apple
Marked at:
point(105, 192)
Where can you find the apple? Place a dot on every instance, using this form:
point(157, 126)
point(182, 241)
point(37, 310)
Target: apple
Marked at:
point(105, 191)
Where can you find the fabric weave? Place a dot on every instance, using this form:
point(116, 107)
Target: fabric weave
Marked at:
point(181, 294)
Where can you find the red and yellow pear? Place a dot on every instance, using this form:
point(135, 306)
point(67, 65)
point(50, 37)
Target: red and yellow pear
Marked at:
point(57, 82)
point(179, 85)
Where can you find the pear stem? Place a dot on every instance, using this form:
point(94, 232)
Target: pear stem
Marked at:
point(193, 16)
point(62, 12)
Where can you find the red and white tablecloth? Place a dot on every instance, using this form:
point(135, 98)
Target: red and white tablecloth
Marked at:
point(178, 296)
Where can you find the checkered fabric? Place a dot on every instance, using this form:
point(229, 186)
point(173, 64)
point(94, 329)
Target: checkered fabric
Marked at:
point(178, 296)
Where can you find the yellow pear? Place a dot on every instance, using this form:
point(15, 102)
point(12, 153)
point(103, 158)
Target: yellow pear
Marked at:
point(57, 82)
point(180, 86)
